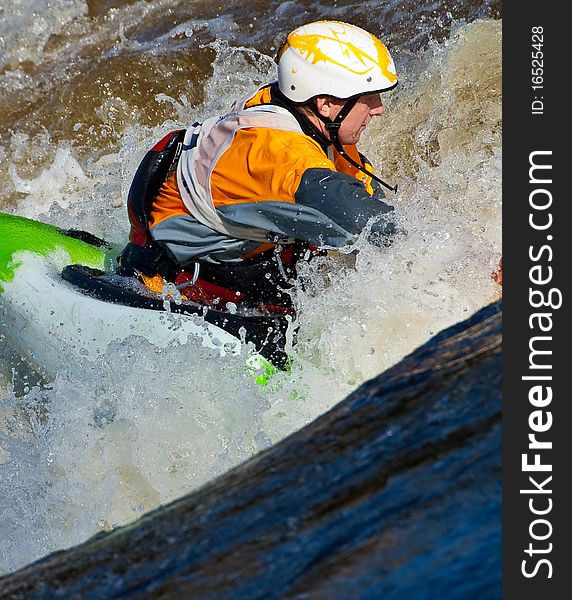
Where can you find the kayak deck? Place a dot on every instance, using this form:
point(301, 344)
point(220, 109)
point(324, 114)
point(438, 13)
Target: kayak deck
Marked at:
point(266, 332)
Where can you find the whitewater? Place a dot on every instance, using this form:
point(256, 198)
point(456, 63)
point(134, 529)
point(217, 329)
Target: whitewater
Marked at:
point(85, 452)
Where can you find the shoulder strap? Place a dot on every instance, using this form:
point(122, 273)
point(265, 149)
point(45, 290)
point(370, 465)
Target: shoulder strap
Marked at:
point(152, 172)
point(202, 149)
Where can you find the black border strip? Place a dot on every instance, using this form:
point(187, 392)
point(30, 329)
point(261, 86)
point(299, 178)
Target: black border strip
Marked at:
point(535, 128)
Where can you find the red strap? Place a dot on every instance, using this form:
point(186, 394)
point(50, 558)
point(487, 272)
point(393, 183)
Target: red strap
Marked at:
point(275, 308)
point(206, 292)
point(160, 145)
point(137, 234)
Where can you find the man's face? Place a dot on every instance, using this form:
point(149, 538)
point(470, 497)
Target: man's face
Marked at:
point(367, 107)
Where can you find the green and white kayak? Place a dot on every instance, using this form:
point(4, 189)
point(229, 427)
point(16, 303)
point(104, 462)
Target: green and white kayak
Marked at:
point(60, 301)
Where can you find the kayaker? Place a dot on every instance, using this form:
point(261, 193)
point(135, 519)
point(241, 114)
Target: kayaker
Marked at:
point(226, 208)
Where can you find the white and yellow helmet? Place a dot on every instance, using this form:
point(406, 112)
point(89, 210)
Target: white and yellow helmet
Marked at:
point(331, 58)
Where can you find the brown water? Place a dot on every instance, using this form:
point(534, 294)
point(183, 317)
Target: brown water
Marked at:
point(83, 72)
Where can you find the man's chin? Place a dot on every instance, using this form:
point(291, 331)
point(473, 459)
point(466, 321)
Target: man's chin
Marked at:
point(351, 140)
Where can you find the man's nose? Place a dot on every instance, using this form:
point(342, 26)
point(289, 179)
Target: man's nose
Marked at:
point(376, 108)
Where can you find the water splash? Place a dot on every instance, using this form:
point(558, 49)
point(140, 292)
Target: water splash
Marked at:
point(53, 185)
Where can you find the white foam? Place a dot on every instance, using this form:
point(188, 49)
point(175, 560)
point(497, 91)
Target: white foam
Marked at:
point(26, 26)
point(55, 185)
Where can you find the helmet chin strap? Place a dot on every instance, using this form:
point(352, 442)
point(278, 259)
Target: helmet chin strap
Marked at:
point(333, 127)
